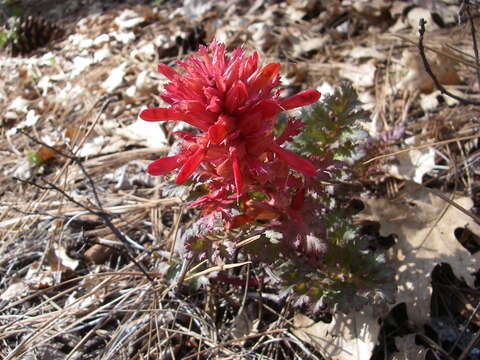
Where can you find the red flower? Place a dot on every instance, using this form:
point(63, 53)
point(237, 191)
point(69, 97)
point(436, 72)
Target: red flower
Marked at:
point(234, 104)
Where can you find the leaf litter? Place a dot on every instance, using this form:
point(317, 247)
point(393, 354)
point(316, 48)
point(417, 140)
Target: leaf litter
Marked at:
point(75, 287)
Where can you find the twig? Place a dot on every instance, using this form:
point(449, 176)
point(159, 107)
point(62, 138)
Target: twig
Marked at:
point(470, 345)
point(74, 159)
point(474, 340)
point(106, 217)
point(474, 41)
point(429, 71)
point(234, 341)
point(30, 213)
point(101, 214)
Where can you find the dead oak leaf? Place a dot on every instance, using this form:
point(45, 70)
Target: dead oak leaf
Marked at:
point(424, 225)
point(350, 336)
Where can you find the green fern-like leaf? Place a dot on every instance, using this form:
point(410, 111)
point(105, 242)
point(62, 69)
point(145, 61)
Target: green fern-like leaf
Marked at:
point(329, 125)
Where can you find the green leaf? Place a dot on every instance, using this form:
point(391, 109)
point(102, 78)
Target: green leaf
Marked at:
point(33, 157)
point(3, 37)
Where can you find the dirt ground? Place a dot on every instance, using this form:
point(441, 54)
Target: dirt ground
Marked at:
point(73, 158)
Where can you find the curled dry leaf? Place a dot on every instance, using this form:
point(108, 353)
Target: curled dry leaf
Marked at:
point(128, 19)
point(432, 101)
point(417, 13)
point(303, 47)
point(360, 75)
point(144, 133)
point(98, 254)
point(58, 259)
point(413, 164)
point(14, 291)
point(115, 79)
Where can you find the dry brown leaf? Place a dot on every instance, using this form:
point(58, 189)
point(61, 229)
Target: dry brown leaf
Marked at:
point(302, 47)
point(14, 290)
point(45, 154)
point(425, 225)
point(348, 337)
point(58, 259)
point(98, 254)
point(362, 75)
point(417, 78)
point(37, 278)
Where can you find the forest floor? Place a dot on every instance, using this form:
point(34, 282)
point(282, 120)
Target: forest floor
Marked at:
point(73, 157)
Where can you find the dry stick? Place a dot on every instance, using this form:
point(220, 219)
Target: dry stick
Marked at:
point(429, 71)
point(21, 348)
point(75, 160)
point(433, 345)
point(469, 347)
point(423, 146)
point(452, 203)
point(104, 106)
point(4, 328)
point(231, 342)
point(101, 214)
point(474, 42)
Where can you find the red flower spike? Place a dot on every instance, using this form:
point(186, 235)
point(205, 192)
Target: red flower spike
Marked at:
point(190, 166)
point(234, 103)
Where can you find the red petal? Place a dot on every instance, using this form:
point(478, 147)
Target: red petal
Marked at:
point(249, 66)
point(237, 175)
point(185, 135)
point(190, 165)
point(197, 111)
point(221, 128)
point(164, 165)
point(167, 71)
point(217, 133)
point(162, 114)
point(305, 97)
point(298, 200)
point(266, 75)
point(214, 105)
point(238, 221)
point(293, 129)
point(231, 73)
point(294, 161)
point(170, 114)
point(236, 96)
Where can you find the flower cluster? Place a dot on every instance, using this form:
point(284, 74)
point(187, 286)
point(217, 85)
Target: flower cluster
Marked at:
point(234, 104)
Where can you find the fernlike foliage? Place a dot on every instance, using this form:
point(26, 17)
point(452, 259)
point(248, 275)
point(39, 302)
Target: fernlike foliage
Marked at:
point(259, 176)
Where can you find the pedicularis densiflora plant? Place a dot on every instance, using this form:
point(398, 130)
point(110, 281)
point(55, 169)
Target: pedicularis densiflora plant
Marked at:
point(264, 172)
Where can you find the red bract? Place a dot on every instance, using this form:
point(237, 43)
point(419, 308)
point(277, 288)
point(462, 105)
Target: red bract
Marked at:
point(234, 104)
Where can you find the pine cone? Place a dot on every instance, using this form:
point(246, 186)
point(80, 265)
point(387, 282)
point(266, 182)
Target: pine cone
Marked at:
point(31, 33)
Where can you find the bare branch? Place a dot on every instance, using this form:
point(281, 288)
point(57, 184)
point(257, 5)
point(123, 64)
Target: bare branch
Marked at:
point(429, 71)
point(474, 42)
